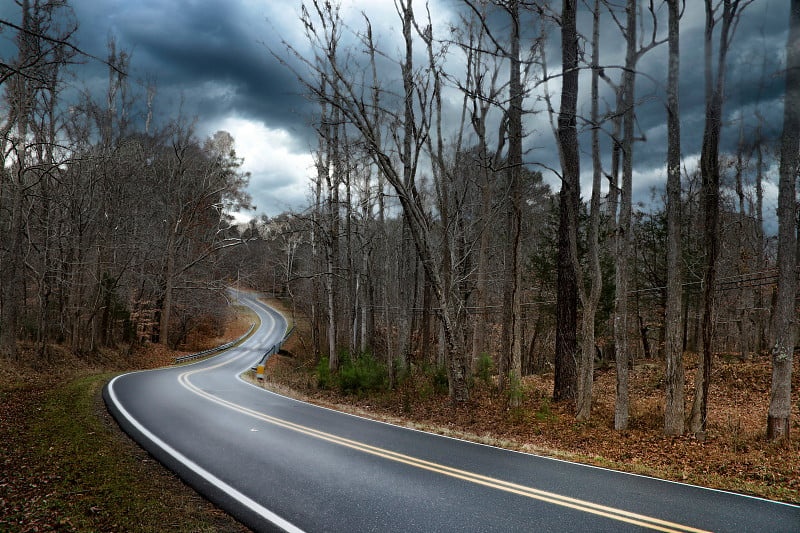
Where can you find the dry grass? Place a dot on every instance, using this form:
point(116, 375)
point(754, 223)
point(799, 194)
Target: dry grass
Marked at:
point(66, 466)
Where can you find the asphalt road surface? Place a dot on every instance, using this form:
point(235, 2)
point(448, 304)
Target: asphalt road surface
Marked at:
point(279, 464)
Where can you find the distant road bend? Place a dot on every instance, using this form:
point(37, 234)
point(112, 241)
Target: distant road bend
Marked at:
point(277, 464)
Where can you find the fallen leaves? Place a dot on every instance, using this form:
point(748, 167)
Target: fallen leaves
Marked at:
point(735, 454)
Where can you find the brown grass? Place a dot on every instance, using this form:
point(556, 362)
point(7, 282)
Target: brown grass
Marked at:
point(66, 466)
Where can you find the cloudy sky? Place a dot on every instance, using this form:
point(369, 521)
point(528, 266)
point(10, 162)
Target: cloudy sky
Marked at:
point(213, 55)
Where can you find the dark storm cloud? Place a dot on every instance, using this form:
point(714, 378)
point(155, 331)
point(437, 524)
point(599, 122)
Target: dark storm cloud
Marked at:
point(753, 75)
point(213, 55)
point(754, 86)
point(187, 46)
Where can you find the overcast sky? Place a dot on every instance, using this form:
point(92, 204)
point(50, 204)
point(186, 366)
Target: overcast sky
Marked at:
point(213, 55)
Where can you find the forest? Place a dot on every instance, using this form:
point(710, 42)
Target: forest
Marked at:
point(111, 223)
point(432, 235)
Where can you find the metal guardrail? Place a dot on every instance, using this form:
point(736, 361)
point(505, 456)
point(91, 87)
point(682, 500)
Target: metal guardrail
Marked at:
point(225, 346)
point(275, 348)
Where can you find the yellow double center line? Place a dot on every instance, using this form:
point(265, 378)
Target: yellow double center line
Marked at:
point(530, 492)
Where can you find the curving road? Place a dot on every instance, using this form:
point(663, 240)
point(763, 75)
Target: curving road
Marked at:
point(278, 464)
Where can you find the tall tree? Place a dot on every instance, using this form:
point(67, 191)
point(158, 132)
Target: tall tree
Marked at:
point(512, 323)
point(481, 90)
point(511, 135)
point(673, 334)
point(710, 173)
point(624, 228)
point(590, 298)
point(784, 313)
point(409, 135)
point(565, 385)
point(20, 97)
point(31, 82)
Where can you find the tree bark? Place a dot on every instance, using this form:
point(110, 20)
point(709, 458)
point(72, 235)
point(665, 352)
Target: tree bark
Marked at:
point(624, 230)
point(565, 386)
point(166, 300)
point(513, 282)
point(710, 173)
point(785, 314)
point(590, 301)
point(673, 336)
point(332, 179)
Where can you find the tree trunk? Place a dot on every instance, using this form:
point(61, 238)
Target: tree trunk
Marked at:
point(481, 316)
point(673, 336)
point(513, 282)
point(565, 386)
point(330, 287)
point(166, 301)
point(591, 300)
point(784, 315)
point(624, 230)
point(760, 321)
point(317, 264)
point(710, 172)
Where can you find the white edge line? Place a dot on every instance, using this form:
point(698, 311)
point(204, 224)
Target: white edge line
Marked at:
point(680, 483)
point(200, 471)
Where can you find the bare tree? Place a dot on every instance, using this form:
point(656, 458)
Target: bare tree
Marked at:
point(710, 172)
point(512, 323)
point(195, 183)
point(674, 410)
point(624, 229)
point(348, 98)
point(565, 387)
point(621, 197)
point(482, 90)
point(43, 47)
point(511, 135)
point(785, 315)
point(591, 298)
point(81, 200)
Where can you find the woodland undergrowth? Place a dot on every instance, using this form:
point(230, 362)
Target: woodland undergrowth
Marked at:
point(735, 454)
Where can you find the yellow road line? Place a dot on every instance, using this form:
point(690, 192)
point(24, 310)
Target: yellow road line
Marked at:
point(530, 492)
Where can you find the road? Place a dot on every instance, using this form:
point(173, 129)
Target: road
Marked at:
point(278, 464)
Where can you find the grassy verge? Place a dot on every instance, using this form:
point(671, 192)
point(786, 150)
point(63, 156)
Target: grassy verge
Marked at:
point(66, 466)
point(73, 470)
